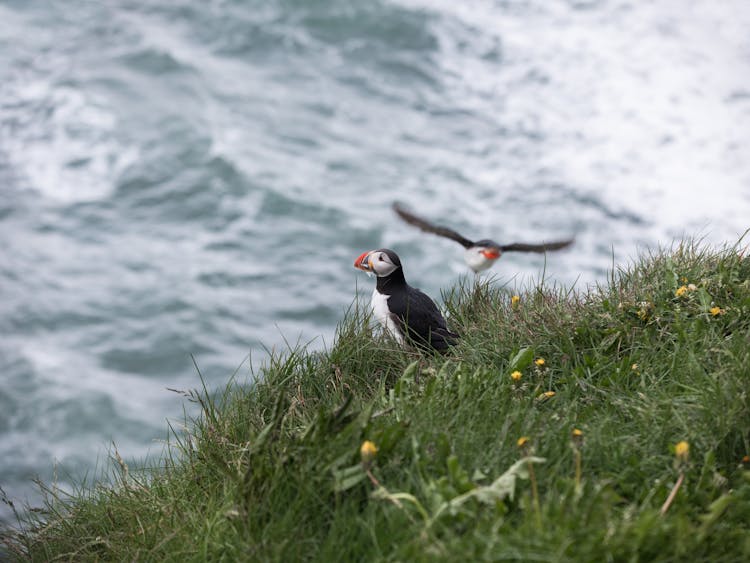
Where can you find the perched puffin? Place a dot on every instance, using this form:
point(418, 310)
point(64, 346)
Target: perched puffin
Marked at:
point(480, 254)
point(407, 313)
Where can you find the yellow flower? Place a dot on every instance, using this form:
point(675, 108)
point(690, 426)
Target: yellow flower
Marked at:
point(715, 311)
point(367, 451)
point(682, 290)
point(549, 394)
point(514, 300)
point(634, 367)
point(577, 433)
point(523, 441)
point(539, 362)
point(644, 311)
point(516, 375)
point(681, 450)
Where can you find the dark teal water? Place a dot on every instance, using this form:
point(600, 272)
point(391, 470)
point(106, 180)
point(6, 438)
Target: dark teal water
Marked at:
point(197, 177)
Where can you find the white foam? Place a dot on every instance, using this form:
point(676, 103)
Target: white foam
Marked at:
point(66, 143)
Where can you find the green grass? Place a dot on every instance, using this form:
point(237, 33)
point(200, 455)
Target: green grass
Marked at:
point(272, 471)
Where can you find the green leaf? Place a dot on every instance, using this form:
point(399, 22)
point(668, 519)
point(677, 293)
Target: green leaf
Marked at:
point(501, 488)
point(715, 510)
point(521, 360)
point(705, 299)
point(458, 475)
point(410, 371)
point(345, 479)
point(505, 485)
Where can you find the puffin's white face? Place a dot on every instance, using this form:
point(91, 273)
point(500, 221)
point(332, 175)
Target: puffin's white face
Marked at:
point(377, 262)
point(481, 257)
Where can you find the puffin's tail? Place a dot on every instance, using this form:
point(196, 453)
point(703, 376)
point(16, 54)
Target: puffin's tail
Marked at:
point(441, 339)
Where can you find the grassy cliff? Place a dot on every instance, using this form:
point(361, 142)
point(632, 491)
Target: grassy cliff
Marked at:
point(607, 425)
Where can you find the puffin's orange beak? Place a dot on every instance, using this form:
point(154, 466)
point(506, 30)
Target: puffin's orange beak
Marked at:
point(363, 262)
point(491, 254)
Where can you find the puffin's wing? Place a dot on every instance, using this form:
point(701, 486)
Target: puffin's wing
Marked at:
point(544, 247)
point(424, 322)
point(429, 227)
point(442, 338)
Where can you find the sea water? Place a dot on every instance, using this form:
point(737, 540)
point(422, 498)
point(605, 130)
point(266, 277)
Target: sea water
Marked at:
point(192, 180)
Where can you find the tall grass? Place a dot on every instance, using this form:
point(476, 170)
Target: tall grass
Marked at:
point(573, 459)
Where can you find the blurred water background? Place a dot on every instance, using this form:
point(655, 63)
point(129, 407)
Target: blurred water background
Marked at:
point(197, 177)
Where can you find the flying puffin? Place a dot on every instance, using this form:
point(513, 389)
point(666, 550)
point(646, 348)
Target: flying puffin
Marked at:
point(407, 313)
point(480, 254)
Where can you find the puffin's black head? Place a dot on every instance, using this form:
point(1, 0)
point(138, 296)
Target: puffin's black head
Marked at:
point(382, 262)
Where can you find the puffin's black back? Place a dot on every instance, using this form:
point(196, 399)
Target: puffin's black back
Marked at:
point(420, 320)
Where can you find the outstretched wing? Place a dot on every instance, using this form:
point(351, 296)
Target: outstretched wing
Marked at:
point(544, 247)
point(430, 228)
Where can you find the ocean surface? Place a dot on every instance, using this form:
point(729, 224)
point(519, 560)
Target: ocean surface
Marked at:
point(197, 177)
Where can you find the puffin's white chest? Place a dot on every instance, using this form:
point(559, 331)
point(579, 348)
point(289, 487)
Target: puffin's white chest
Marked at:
point(476, 260)
point(381, 312)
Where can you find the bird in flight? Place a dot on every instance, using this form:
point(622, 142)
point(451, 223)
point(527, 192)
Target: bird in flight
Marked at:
point(404, 311)
point(480, 254)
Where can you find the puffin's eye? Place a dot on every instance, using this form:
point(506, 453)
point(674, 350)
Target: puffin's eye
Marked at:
point(381, 258)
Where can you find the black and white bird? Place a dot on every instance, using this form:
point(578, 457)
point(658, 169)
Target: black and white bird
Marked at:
point(480, 254)
point(407, 313)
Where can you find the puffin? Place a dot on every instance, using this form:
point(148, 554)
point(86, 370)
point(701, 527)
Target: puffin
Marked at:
point(481, 254)
point(404, 311)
